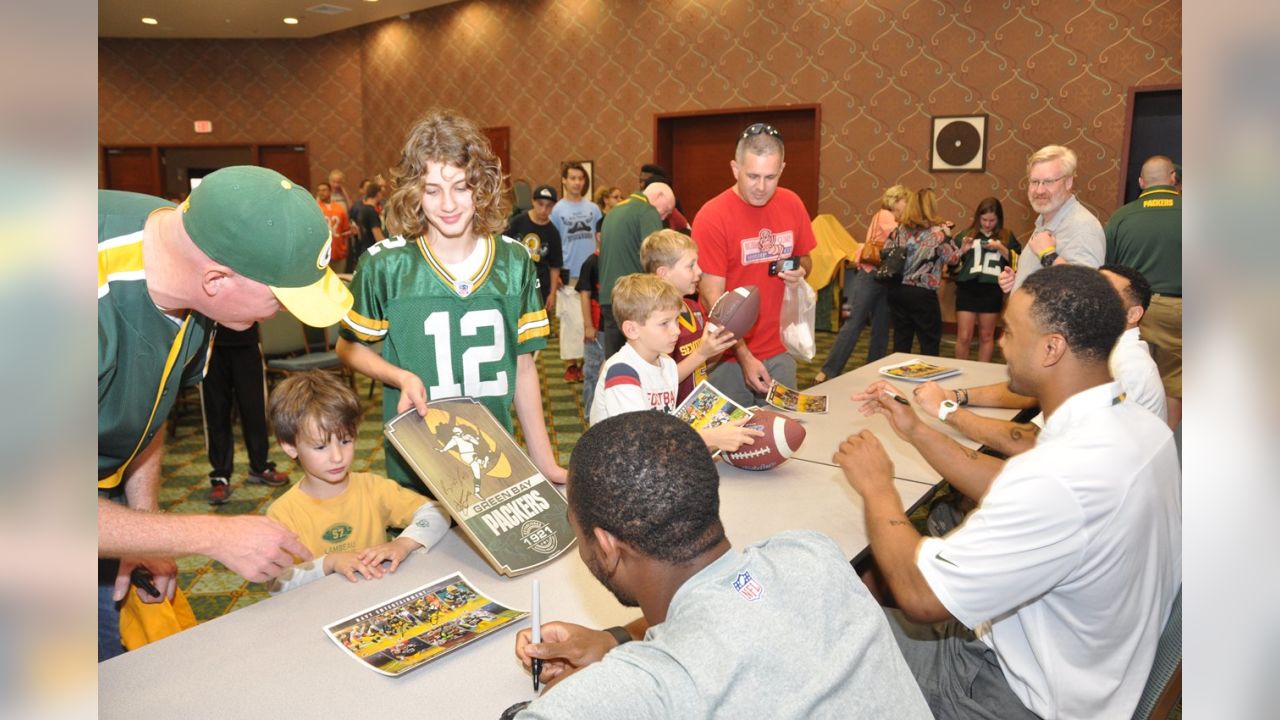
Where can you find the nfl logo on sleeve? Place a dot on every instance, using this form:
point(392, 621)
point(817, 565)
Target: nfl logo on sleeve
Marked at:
point(747, 586)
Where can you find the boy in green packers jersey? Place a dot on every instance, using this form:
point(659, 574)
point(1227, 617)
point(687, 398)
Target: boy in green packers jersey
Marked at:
point(455, 305)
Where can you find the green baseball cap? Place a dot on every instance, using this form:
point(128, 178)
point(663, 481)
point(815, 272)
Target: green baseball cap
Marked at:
point(261, 225)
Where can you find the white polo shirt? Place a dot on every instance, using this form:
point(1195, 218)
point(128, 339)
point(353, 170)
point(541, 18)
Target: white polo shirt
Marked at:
point(1131, 365)
point(1069, 566)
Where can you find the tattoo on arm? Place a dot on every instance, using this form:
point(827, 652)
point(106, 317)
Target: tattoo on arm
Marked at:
point(969, 453)
point(896, 521)
point(1018, 431)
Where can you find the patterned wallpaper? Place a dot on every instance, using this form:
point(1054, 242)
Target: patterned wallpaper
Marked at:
point(584, 78)
point(254, 91)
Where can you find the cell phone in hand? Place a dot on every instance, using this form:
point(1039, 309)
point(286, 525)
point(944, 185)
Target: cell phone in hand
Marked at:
point(783, 265)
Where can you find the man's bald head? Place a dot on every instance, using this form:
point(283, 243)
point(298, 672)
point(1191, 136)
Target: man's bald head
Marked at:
point(661, 198)
point(1157, 170)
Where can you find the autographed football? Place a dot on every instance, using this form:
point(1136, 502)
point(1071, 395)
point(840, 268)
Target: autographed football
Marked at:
point(782, 437)
point(736, 310)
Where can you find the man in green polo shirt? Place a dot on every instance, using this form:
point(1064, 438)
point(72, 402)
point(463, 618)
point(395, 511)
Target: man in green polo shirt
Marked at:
point(245, 242)
point(625, 228)
point(1146, 235)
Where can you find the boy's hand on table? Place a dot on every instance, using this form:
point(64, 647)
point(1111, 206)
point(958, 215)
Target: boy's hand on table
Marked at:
point(395, 551)
point(349, 565)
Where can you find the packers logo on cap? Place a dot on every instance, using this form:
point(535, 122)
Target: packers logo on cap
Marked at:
point(326, 252)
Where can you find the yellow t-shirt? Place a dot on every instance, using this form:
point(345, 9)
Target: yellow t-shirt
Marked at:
point(352, 521)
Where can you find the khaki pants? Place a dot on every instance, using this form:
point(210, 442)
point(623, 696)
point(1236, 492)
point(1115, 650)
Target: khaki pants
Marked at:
point(1161, 327)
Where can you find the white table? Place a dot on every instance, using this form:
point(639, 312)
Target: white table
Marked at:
point(272, 659)
point(824, 433)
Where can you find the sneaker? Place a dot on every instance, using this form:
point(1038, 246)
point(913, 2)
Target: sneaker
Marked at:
point(577, 374)
point(220, 492)
point(569, 373)
point(269, 477)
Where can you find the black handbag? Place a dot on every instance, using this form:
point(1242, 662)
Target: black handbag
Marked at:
point(892, 260)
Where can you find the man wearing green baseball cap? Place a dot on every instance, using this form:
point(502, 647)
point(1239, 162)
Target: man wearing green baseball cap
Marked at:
point(246, 242)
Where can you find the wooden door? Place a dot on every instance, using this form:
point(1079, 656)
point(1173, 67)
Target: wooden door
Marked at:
point(500, 141)
point(289, 160)
point(136, 169)
point(696, 149)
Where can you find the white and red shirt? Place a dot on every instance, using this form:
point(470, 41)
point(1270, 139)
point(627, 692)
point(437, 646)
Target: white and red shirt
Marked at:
point(629, 383)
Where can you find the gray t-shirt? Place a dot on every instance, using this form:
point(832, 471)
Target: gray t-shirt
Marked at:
point(783, 629)
point(1080, 239)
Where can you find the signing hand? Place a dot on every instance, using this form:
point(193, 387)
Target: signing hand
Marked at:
point(929, 397)
point(565, 649)
point(879, 398)
point(865, 463)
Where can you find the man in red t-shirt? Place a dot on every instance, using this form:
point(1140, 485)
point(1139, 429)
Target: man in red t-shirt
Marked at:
point(740, 233)
point(339, 223)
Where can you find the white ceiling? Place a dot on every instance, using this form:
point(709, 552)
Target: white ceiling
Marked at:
point(243, 18)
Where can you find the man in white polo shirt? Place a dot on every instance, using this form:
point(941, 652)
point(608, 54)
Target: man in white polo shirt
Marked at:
point(1056, 588)
point(1131, 365)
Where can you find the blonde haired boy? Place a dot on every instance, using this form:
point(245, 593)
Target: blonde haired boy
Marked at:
point(673, 257)
point(642, 375)
point(341, 516)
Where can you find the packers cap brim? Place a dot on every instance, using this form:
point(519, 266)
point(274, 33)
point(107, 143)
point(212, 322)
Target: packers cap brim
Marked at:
point(319, 304)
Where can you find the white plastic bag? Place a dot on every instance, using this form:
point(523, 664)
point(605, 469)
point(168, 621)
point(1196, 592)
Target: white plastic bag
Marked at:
point(799, 307)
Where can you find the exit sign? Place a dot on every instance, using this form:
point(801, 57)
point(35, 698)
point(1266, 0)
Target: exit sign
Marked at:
point(204, 126)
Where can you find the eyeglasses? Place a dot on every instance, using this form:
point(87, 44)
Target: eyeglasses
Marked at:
point(1045, 183)
point(761, 129)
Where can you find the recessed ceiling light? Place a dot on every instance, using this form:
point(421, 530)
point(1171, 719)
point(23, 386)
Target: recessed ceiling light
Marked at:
point(291, 21)
point(150, 21)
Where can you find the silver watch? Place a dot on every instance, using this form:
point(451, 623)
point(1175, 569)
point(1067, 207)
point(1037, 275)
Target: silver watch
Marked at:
point(946, 408)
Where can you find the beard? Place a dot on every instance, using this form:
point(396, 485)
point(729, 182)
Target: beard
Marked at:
point(600, 575)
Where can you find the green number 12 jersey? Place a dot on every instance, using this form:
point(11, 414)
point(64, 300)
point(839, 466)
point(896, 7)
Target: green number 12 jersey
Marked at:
point(461, 336)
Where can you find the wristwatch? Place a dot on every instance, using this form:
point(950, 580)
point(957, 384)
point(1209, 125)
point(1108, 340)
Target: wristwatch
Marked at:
point(1048, 259)
point(946, 408)
point(619, 634)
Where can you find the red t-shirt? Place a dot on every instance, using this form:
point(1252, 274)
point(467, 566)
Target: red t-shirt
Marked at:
point(691, 320)
point(737, 241)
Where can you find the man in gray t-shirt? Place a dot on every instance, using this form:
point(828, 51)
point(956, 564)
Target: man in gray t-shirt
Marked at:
point(780, 629)
point(1065, 231)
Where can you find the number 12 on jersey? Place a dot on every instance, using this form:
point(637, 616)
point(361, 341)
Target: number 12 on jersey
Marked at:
point(437, 327)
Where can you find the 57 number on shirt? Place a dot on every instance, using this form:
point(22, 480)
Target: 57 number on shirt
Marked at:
point(437, 327)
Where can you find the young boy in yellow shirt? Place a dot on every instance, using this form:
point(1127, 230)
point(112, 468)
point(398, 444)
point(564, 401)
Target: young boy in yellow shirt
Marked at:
point(673, 257)
point(341, 516)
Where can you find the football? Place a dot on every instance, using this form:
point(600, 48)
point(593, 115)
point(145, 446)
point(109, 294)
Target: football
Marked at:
point(736, 310)
point(782, 437)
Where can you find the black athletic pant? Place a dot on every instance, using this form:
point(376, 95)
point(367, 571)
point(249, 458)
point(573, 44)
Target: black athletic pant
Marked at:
point(236, 373)
point(915, 311)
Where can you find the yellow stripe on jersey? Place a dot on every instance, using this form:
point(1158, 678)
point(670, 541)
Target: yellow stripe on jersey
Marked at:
point(366, 329)
point(119, 261)
point(443, 272)
point(532, 325)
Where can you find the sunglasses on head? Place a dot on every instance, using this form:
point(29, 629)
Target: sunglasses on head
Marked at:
point(761, 129)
